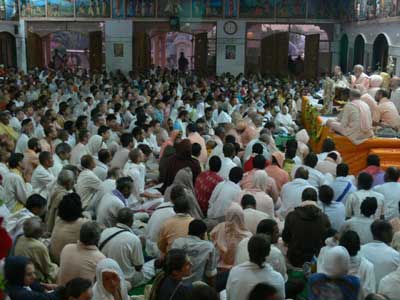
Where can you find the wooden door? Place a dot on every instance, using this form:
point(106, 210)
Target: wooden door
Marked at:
point(267, 55)
point(311, 54)
point(35, 55)
point(200, 53)
point(7, 50)
point(281, 53)
point(142, 51)
point(95, 51)
point(274, 54)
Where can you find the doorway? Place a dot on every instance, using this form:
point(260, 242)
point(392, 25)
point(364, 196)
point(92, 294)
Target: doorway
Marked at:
point(344, 46)
point(166, 48)
point(7, 50)
point(380, 53)
point(359, 46)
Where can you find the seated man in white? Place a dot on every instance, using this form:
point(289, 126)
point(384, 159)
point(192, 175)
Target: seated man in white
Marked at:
point(384, 258)
point(111, 203)
point(121, 244)
point(88, 183)
point(354, 200)
point(362, 224)
point(42, 177)
point(291, 192)
point(243, 277)
point(275, 258)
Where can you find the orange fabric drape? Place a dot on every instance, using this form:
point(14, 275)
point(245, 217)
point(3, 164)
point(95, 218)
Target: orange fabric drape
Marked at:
point(355, 156)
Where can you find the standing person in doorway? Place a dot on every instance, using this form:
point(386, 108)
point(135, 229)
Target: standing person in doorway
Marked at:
point(183, 63)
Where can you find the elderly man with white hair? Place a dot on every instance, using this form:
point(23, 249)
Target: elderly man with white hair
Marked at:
point(360, 80)
point(64, 185)
point(355, 122)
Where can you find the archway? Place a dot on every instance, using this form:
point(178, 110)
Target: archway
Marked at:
point(359, 46)
point(7, 50)
point(344, 46)
point(380, 53)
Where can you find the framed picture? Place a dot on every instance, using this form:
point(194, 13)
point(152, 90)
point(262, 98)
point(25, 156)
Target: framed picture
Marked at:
point(118, 50)
point(230, 52)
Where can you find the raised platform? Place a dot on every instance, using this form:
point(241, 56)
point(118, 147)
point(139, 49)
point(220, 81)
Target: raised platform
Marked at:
point(355, 156)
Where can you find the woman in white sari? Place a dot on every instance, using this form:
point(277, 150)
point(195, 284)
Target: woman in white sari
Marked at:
point(110, 284)
point(94, 145)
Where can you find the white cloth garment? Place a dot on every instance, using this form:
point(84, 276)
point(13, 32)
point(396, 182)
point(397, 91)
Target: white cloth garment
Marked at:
point(221, 198)
point(339, 188)
point(335, 212)
point(107, 210)
point(354, 200)
point(58, 165)
point(41, 179)
point(384, 258)
point(163, 212)
point(275, 258)
point(242, 279)
point(15, 190)
point(226, 165)
point(362, 225)
point(390, 192)
point(107, 186)
point(390, 285)
point(138, 174)
point(86, 186)
point(253, 217)
point(22, 144)
point(291, 194)
point(364, 270)
point(14, 222)
point(126, 249)
point(100, 170)
point(99, 292)
point(315, 177)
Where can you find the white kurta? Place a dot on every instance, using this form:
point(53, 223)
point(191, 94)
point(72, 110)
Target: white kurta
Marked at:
point(87, 185)
point(291, 194)
point(242, 279)
point(22, 143)
point(226, 165)
point(384, 258)
point(390, 285)
point(107, 210)
point(390, 192)
point(42, 179)
point(15, 190)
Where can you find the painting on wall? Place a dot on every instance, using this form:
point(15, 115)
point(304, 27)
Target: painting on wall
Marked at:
point(321, 10)
point(118, 50)
point(93, 8)
point(206, 8)
point(118, 9)
point(291, 8)
point(257, 9)
point(33, 8)
point(140, 8)
point(230, 52)
point(178, 8)
point(9, 10)
point(60, 8)
point(345, 9)
point(231, 9)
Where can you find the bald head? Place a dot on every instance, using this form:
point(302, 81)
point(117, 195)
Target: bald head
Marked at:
point(395, 82)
